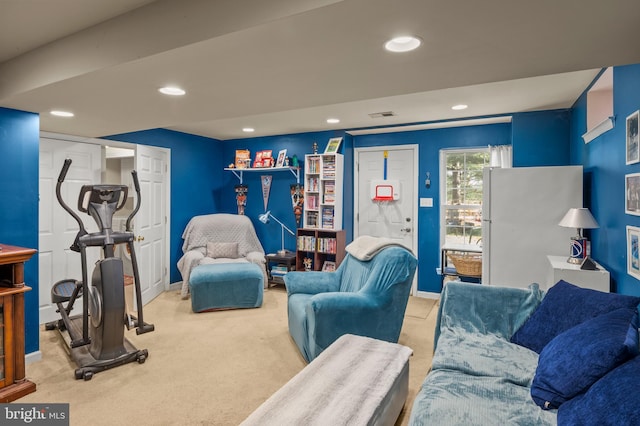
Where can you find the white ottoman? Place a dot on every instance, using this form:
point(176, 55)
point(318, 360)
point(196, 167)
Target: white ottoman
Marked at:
point(355, 381)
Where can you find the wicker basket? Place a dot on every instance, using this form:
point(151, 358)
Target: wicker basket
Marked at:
point(468, 265)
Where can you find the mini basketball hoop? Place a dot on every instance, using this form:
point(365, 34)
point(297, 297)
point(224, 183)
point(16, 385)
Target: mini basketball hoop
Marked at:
point(383, 193)
point(384, 190)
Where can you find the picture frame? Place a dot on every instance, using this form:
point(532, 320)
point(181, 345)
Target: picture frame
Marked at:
point(633, 256)
point(333, 145)
point(632, 138)
point(328, 266)
point(632, 194)
point(282, 154)
point(263, 159)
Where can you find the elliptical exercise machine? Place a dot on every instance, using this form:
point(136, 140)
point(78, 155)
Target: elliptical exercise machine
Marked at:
point(95, 338)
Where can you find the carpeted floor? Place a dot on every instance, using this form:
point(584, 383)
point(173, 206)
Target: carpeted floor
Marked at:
point(212, 368)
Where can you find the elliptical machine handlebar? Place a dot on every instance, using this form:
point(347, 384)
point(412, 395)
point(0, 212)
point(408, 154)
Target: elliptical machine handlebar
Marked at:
point(65, 169)
point(141, 326)
point(136, 185)
point(63, 174)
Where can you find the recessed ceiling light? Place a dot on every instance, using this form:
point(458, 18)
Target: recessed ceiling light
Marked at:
point(171, 90)
point(459, 107)
point(59, 113)
point(333, 120)
point(248, 129)
point(403, 44)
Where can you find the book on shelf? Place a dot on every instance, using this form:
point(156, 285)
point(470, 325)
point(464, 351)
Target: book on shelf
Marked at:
point(243, 159)
point(312, 219)
point(306, 243)
point(327, 245)
point(312, 184)
point(312, 202)
point(313, 164)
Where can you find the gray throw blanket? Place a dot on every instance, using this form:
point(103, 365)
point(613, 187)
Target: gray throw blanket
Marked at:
point(365, 247)
point(221, 227)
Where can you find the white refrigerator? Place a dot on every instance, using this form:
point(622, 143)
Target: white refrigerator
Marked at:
point(521, 209)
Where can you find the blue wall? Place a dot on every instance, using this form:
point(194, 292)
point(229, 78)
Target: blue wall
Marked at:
point(196, 180)
point(430, 142)
point(200, 186)
point(604, 161)
point(540, 138)
point(19, 160)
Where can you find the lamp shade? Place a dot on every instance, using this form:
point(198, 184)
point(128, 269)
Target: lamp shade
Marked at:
point(579, 218)
point(264, 217)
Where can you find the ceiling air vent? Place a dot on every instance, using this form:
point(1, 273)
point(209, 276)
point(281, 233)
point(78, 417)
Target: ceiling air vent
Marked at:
point(382, 114)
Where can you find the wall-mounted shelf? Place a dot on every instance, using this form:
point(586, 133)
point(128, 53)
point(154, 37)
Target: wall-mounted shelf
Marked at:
point(295, 171)
point(598, 130)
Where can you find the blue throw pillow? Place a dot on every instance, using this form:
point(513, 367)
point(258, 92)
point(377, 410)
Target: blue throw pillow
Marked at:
point(577, 358)
point(563, 307)
point(611, 401)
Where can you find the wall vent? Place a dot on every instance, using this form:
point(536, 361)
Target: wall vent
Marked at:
point(382, 114)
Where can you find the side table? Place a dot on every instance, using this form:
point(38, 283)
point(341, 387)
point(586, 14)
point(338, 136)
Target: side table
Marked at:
point(560, 269)
point(278, 266)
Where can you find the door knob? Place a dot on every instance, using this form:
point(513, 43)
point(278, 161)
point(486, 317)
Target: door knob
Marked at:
point(140, 238)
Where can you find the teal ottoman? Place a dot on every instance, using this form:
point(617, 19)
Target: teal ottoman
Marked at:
point(226, 286)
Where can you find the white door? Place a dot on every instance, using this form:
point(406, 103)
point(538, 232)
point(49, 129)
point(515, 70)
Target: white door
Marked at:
point(57, 229)
point(393, 219)
point(151, 222)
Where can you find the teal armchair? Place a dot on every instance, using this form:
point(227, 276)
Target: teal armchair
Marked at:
point(365, 298)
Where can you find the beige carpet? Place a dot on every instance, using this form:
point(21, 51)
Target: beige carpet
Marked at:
point(203, 369)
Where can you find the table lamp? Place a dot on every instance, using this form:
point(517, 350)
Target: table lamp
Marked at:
point(264, 218)
point(579, 218)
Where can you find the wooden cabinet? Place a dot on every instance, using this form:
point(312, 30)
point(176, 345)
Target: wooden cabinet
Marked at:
point(319, 246)
point(323, 183)
point(13, 384)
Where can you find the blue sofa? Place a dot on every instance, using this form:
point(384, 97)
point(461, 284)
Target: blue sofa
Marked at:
point(362, 297)
point(506, 356)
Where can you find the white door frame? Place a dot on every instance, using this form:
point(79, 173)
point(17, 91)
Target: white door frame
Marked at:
point(356, 194)
point(128, 145)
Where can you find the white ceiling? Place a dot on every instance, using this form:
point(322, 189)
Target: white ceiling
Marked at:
point(285, 66)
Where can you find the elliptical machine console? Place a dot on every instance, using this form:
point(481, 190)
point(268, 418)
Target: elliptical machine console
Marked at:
point(96, 337)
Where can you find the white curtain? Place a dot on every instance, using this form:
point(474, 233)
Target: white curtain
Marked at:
point(500, 156)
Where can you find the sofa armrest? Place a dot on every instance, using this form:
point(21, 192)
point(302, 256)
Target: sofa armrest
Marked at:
point(331, 315)
point(311, 282)
point(486, 309)
point(187, 262)
point(256, 257)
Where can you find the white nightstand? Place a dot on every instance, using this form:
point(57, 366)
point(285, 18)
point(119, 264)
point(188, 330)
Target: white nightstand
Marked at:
point(560, 269)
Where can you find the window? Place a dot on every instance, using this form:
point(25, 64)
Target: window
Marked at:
point(461, 195)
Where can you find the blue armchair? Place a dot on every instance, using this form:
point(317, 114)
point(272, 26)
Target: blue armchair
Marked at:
point(362, 297)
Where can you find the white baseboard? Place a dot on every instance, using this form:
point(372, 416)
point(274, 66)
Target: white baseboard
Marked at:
point(428, 295)
point(32, 357)
point(175, 286)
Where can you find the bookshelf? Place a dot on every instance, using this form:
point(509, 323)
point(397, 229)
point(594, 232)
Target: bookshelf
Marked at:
point(320, 246)
point(323, 182)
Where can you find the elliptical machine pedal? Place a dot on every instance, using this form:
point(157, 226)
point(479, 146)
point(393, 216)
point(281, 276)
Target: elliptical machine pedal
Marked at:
point(95, 338)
